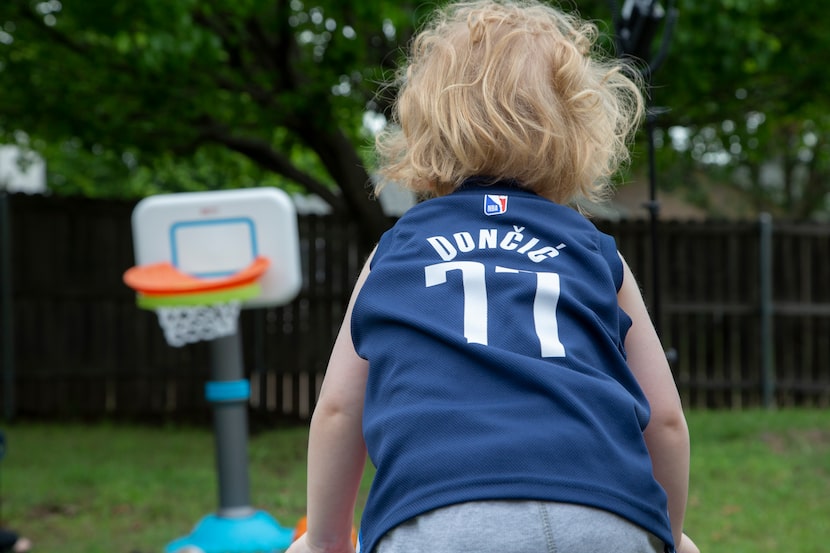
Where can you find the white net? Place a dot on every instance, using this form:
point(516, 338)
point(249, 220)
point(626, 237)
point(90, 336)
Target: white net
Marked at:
point(186, 324)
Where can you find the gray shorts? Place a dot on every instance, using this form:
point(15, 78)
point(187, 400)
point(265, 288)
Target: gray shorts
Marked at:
point(518, 527)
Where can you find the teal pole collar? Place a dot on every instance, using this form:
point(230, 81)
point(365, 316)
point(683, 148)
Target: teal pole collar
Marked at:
point(227, 390)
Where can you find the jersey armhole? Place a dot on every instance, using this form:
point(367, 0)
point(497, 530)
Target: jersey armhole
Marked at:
point(608, 248)
point(382, 246)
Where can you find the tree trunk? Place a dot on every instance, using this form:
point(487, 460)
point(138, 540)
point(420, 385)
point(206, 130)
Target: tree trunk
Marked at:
point(341, 160)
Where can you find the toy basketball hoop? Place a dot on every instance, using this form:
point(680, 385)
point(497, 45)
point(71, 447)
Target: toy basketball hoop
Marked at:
point(201, 257)
point(192, 309)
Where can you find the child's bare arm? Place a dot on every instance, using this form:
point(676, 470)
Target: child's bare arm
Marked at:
point(336, 450)
point(667, 435)
point(687, 545)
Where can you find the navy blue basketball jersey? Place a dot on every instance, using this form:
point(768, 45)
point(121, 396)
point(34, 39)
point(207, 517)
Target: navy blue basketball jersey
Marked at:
point(496, 363)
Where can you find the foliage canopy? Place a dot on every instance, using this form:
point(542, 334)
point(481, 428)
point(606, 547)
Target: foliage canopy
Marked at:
point(745, 84)
point(131, 98)
point(241, 91)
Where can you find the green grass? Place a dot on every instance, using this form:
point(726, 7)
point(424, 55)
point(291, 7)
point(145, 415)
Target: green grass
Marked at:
point(760, 482)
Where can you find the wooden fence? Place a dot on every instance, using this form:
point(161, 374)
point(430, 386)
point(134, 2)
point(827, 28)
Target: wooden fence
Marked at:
point(75, 345)
point(713, 308)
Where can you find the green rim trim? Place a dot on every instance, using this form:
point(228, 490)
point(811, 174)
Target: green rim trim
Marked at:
point(203, 298)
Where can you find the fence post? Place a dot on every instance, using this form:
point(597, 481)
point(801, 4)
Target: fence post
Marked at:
point(6, 334)
point(766, 311)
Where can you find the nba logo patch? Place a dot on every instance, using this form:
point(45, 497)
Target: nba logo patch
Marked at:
point(494, 204)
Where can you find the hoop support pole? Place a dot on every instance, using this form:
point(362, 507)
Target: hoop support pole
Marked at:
point(230, 418)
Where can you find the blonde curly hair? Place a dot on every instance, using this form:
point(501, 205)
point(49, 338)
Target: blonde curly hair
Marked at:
point(510, 90)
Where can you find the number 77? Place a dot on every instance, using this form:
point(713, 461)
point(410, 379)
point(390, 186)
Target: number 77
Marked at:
point(474, 290)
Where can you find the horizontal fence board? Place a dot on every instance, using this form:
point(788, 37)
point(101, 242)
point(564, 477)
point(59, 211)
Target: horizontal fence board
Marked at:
point(81, 347)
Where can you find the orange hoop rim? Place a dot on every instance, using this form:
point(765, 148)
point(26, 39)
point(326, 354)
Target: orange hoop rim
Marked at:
point(160, 279)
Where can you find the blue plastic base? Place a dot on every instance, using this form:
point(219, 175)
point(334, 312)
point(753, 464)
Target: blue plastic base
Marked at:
point(259, 533)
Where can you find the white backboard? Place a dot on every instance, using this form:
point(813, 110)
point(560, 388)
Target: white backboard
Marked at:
point(218, 233)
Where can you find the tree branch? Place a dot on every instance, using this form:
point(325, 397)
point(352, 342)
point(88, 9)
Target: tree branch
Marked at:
point(255, 42)
point(266, 157)
point(56, 36)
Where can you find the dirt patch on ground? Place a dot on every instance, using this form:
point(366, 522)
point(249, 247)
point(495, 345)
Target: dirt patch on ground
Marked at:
point(785, 442)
